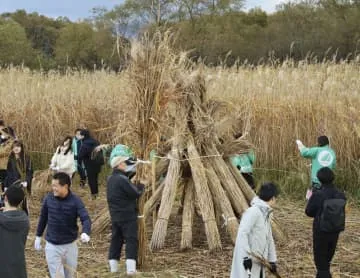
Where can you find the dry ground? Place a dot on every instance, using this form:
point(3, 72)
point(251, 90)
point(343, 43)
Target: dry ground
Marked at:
point(295, 253)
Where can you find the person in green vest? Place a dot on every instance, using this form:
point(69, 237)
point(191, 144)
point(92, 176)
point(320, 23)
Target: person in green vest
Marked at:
point(244, 162)
point(321, 156)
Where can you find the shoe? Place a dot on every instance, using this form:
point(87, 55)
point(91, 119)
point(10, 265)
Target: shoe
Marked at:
point(114, 266)
point(82, 184)
point(130, 267)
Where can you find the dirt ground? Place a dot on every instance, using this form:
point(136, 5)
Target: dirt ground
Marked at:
point(294, 253)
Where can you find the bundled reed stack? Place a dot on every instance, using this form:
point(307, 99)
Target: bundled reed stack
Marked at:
point(170, 99)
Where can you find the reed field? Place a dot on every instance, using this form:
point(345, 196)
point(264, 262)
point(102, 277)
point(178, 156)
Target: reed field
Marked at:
point(280, 104)
point(277, 105)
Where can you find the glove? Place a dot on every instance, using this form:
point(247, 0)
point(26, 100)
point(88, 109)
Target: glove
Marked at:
point(247, 263)
point(37, 244)
point(299, 144)
point(24, 184)
point(273, 268)
point(141, 187)
point(84, 238)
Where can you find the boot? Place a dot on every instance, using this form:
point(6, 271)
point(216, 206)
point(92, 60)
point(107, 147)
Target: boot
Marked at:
point(114, 266)
point(130, 267)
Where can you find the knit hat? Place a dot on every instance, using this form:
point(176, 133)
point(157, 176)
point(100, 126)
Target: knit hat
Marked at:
point(323, 141)
point(120, 150)
point(115, 161)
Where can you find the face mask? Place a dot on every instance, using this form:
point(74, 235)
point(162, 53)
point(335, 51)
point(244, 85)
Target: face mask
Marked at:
point(130, 168)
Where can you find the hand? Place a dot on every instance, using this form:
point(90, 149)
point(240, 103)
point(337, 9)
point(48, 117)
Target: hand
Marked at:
point(24, 184)
point(84, 238)
point(37, 243)
point(273, 268)
point(299, 144)
point(247, 263)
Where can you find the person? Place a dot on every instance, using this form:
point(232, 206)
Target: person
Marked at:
point(255, 236)
point(14, 229)
point(76, 145)
point(325, 238)
point(92, 166)
point(6, 132)
point(121, 198)
point(63, 158)
point(321, 156)
point(59, 213)
point(6, 141)
point(19, 167)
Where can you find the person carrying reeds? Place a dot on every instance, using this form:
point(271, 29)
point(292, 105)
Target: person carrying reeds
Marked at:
point(63, 158)
point(14, 229)
point(59, 214)
point(19, 167)
point(327, 207)
point(122, 197)
point(321, 156)
point(92, 165)
point(244, 163)
point(254, 239)
point(79, 166)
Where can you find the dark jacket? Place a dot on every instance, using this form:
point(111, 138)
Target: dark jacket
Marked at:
point(16, 170)
point(14, 228)
point(88, 144)
point(60, 215)
point(122, 196)
point(315, 204)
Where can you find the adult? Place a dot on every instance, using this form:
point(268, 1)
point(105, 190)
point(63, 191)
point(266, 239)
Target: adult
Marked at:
point(121, 197)
point(59, 213)
point(14, 229)
point(255, 236)
point(19, 167)
point(76, 145)
point(321, 156)
point(92, 166)
point(63, 158)
point(327, 207)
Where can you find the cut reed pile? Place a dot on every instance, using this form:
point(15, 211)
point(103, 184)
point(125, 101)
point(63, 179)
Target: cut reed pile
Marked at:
point(170, 99)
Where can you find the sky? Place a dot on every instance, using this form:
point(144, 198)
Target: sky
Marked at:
point(77, 9)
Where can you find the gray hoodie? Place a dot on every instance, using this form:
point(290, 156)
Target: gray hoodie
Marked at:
point(14, 228)
point(254, 237)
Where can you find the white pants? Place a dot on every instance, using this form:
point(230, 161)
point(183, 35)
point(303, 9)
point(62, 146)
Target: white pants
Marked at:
point(61, 259)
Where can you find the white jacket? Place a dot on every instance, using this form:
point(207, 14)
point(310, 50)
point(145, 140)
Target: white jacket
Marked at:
point(61, 162)
point(254, 237)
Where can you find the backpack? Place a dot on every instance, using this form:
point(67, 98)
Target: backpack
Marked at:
point(332, 216)
point(98, 157)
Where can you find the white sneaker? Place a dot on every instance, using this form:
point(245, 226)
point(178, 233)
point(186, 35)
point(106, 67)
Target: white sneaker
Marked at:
point(114, 266)
point(130, 267)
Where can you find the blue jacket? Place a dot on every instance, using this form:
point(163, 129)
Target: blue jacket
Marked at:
point(60, 216)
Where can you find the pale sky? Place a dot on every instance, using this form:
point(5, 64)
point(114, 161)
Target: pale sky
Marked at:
point(76, 9)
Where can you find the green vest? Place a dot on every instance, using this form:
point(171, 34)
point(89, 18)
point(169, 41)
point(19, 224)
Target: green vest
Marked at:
point(244, 162)
point(320, 157)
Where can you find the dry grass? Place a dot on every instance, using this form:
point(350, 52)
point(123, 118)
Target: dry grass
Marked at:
point(283, 104)
point(295, 254)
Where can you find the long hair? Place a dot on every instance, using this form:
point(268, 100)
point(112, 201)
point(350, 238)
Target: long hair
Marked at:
point(69, 147)
point(12, 156)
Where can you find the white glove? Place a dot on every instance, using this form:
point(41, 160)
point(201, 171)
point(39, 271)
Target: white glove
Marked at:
point(84, 238)
point(299, 144)
point(24, 184)
point(37, 243)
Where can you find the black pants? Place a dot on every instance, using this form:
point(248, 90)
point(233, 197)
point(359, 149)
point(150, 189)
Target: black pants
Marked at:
point(124, 232)
point(2, 178)
point(249, 179)
point(324, 246)
point(93, 177)
point(81, 172)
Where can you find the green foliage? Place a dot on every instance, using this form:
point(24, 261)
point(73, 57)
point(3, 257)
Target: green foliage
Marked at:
point(14, 46)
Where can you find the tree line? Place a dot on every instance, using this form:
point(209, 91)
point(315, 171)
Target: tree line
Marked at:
point(215, 31)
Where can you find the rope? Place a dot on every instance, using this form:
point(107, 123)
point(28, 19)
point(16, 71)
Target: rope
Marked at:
point(169, 157)
point(227, 219)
